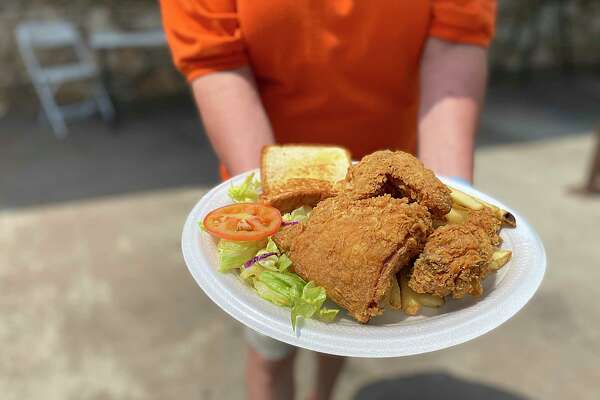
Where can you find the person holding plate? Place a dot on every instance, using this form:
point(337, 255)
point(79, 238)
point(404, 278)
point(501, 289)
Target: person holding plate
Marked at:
point(367, 75)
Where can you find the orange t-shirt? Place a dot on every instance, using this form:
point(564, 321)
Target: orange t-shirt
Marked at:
point(328, 71)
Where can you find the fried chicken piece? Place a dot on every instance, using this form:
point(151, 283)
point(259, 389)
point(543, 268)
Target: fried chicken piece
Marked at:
point(401, 175)
point(353, 248)
point(286, 236)
point(298, 192)
point(489, 222)
point(456, 257)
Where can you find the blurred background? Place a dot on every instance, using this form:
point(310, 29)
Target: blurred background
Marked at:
point(95, 300)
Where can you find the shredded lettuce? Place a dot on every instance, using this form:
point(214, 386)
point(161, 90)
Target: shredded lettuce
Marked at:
point(300, 214)
point(270, 276)
point(273, 295)
point(269, 263)
point(310, 301)
point(327, 314)
point(289, 290)
point(249, 275)
point(293, 281)
point(283, 263)
point(271, 246)
point(248, 191)
point(279, 262)
point(235, 254)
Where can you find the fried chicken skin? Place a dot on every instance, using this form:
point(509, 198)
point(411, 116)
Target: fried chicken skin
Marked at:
point(456, 257)
point(489, 222)
point(401, 175)
point(353, 248)
point(286, 236)
point(297, 193)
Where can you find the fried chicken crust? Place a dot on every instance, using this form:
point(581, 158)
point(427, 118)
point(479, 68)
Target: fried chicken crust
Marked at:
point(286, 236)
point(353, 248)
point(296, 193)
point(400, 174)
point(489, 222)
point(456, 257)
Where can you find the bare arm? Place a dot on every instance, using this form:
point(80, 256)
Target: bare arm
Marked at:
point(453, 79)
point(234, 117)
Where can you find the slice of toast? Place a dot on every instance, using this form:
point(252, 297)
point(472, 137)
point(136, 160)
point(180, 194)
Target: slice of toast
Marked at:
point(280, 163)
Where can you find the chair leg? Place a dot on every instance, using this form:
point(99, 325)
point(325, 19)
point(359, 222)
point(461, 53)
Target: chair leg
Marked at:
point(52, 111)
point(104, 104)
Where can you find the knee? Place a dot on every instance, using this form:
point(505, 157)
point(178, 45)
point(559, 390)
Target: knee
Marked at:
point(270, 368)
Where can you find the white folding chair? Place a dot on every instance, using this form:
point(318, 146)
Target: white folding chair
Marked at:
point(47, 80)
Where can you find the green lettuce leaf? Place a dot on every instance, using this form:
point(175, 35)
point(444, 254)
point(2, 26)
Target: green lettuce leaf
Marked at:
point(249, 275)
point(309, 303)
point(327, 314)
point(285, 284)
point(280, 262)
point(300, 214)
point(248, 191)
point(268, 293)
point(269, 263)
point(283, 263)
point(272, 280)
point(234, 254)
point(292, 280)
point(271, 247)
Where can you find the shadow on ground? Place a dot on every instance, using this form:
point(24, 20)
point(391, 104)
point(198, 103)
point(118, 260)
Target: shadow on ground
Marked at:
point(159, 147)
point(432, 386)
point(545, 107)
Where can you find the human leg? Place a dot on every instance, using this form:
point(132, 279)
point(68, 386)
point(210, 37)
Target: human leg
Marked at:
point(269, 368)
point(328, 370)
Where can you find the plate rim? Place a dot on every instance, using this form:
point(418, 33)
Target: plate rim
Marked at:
point(310, 338)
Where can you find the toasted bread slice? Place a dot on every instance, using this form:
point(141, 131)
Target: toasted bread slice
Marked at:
point(282, 163)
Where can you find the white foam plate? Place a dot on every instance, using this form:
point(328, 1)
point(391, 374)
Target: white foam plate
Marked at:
point(392, 334)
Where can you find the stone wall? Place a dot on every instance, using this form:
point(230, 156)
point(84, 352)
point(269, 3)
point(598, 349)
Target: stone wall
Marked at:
point(136, 73)
point(538, 34)
point(527, 34)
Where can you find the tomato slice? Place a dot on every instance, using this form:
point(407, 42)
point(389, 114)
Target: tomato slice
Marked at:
point(243, 222)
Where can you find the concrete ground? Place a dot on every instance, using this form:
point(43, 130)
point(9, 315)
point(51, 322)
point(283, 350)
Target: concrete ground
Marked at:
point(96, 303)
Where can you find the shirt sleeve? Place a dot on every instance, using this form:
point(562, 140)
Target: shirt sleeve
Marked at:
point(464, 21)
point(204, 35)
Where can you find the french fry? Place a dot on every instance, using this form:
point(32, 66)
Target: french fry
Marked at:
point(395, 300)
point(499, 259)
point(385, 300)
point(410, 304)
point(472, 203)
point(456, 216)
point(464, 200)
point(430, 300)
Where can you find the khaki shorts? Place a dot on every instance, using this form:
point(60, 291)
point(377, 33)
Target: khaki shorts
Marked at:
point(267, 347)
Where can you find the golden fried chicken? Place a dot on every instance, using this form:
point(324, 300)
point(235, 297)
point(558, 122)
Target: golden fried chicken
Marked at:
point(401, 175)
point(353, 248)
point(456, 257)
point(488, 221)
point(296, 193)
point(286, 236)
